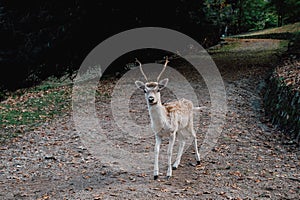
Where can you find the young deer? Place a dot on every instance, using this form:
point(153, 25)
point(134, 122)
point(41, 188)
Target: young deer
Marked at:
point(167, 120)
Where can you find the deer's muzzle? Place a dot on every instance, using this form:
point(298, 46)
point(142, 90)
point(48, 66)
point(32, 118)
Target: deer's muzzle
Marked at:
point(151, 99)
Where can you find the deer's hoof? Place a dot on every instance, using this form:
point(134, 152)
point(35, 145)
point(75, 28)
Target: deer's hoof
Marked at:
point(155, 177)
point(198, 162)
point(174, 168)
point(168, 178)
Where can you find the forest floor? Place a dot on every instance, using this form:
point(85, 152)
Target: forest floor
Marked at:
point(251, 160)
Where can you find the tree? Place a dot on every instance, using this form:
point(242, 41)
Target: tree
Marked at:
point(218, 12)
point(287, 10)
point(238, 15)
point(280, 7)
point(51, 37)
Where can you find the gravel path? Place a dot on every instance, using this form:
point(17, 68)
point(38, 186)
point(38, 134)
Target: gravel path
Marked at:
point(252, 159)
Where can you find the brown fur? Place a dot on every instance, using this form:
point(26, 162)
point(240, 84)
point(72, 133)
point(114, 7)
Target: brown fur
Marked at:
point(180, 106)
point(151, 84)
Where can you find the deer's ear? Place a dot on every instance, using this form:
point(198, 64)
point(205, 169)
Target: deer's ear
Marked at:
point(140, 84)
point(163, 83)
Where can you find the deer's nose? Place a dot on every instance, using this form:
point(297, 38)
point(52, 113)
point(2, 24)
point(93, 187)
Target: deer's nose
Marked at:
point(150, 99)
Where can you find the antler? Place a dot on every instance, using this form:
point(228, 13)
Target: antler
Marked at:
point(141, 69)
point(163, 68)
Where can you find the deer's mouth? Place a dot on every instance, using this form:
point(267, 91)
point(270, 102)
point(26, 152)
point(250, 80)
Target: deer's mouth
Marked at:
point(153, 103)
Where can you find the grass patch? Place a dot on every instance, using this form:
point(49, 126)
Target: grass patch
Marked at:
point(284, 44)
point(285, 32)
point(28, 108)
point(228, 46)
point(237, 56)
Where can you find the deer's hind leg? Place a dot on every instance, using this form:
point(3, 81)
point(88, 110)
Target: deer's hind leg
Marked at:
point(196, 146)
point(191, 129)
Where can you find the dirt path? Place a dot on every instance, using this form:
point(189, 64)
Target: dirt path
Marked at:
point(252, 159)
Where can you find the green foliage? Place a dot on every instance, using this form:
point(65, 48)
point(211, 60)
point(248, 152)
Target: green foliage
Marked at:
point(217, 12)
point(250, 15)
point(287, 11)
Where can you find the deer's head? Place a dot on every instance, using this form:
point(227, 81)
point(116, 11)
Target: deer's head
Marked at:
point(152, 89)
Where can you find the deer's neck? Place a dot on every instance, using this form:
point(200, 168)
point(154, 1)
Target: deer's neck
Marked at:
point(158, 115)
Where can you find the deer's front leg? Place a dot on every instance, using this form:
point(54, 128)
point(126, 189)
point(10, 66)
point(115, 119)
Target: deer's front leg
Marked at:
point(156, 155)
point(170, 150)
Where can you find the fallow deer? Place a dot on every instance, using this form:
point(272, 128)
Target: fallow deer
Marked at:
point(168, 120)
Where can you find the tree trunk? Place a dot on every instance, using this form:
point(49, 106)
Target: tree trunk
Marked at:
point(279, 20)
point(240, 16)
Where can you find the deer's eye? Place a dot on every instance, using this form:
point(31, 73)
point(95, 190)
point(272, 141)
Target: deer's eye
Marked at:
point(145, 91)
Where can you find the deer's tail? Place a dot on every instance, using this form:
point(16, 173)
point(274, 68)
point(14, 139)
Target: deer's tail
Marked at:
point(199, 108)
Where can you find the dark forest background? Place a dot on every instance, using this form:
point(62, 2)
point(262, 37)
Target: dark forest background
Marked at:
point(46, 38)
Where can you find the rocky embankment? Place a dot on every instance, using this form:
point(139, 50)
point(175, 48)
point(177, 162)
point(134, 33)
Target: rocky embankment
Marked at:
point(282, 97)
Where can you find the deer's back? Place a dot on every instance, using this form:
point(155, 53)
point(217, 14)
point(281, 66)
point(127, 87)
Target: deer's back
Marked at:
point(181, 106)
